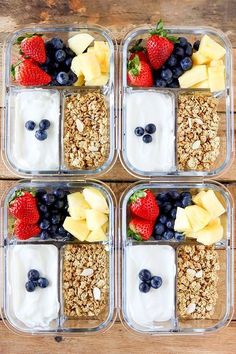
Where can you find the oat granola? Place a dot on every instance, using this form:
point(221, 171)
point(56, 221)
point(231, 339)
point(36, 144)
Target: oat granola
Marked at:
point(86, 130)
point(85, 280)
point(198, 143)
point(197, 280)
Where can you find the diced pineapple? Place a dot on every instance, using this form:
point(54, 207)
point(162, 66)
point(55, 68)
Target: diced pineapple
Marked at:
point(96, 199)
point(211, 234)
point(95, 219)
point(77, 228)
point(198, 59)
point(202, 85)
point(98, 81)
point(101, 49)
point(181, 222)
point(97, 235)
point(197, 198)
point(105, 227)
point(80, 42)
point(75, 66)
point(89, 65)
point(216, 78)
point(77, 205)
point(216, 62)
point(212, 204)
point(211, 48)
point(90, 50)
point(193, 76)
point(197, 217)
point(190, 234)
point(80, 81)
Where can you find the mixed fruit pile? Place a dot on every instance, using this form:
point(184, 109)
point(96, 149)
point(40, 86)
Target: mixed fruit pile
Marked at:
point(176, 216)
point(53, 62)
point(60, 215)
point(168, 61)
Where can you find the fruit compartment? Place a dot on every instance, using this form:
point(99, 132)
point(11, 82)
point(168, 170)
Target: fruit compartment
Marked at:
point(62, 323)
point(14, 131)
point(224, 109)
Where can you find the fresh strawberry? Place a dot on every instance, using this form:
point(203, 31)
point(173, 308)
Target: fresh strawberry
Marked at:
point(23, 231)
point(139, 73)
point(140, 229)
point(27, 73)
point(159, 46)
point(140, 51)
point(33, 46)
point(24, 207)
point(144, 205)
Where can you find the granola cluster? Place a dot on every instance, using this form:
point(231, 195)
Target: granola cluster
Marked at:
point(197, 280)
point(85, 280)
point(198, 143)
point(86, 130)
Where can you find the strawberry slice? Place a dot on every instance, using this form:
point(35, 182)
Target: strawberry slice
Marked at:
point(143, 204)
point(139, 73)
point(24, 231)
point(140, 229)
point(33, 46)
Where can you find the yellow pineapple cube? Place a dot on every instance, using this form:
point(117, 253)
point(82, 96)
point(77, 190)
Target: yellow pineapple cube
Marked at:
point(181, 222)
point(80, 81)
point(95, 198)
point(95, 219)
point(216, 62)
point(98, 81)
point(212, 204)
point(97, 235)
point(202, 85)
point(102, 52)
point(77, 205)
point(197, 198)
point(210, 234)
point(77, 228)
point(89, 65)
point(79, 42)
point(198, 59)
point(197, 217)
point(210, 48)
point(193, 76)
point(216, 78)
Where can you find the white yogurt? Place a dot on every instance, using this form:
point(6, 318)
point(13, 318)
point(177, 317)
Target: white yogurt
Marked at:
point(28, 153)
point(147, 310)
point(40, 307)
point(157, 108)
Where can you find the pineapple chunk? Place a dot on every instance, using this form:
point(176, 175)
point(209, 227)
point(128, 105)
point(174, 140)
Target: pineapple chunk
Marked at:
point(79, 81)
point(77, 228)
point(212, 204)
point(90, 50)
point(77, 205)
point(98, 81)
point(202, 85)
point(211, 48)
point(80, 42)
point(198, 59)
point(216, 77)
point(97, 235)
point(75, 66)
point(95, 219)
point(211, 234)
point(105, 227)
point(190, 234)
point(181, 222)
point(216, 63)
point(96, 199)
point(193, 76)
point(89, 65)
point(197, 217)
point(101, 49)
point(197, 198)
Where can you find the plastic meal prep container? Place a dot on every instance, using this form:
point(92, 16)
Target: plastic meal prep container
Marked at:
point(12, 96)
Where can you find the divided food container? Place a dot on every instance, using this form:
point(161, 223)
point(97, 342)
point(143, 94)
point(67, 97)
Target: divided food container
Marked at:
point(118, 97)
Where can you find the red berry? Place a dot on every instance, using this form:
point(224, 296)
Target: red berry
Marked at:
point(33, 47)
point(24, 207)
point(24, 231)
point(144, 205)
point(27, 73)
point(139, 73)
point(140, 229)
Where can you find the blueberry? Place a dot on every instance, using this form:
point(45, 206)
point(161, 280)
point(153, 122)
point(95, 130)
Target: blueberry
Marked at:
point(174, 84)
point(166, 207)
point(196, 45)
point(162, 219)
point(172, 61)
point(150, 128)
point(43, 282)
point(178, 203)
point(147, 139)
point(33, 274)
point(168, 235)
point(189, 50)
point(163, 196)
point(30, 125)
point(145, 275)
point(44, 124)
point(62, 231)
point(182, 41)
point(40, 192)
point(41, 135)
point(59, 193)
point(62, 78)
point(179, 236)
point(55, 219)
point(186, 201)
point(177, 72)
point(160, 83)
point(44, 224)
point(173, 213)
point(185, 194)
point(43, 208)
point(186, 63)
point(49, 198)
point(179, 51)
point(53, 83)
point(139, 131)
point(57, 43)
point(59, 204)
point(44, 235)
point(144, 287)
point(49, 47)
point(170, 224)
point(156, 282)
point(72, 78)
point(159, 229)
point(68, 62)
point(174, 195)
point(166, 74)
point(157, 237)
point(69, 52)
point(30, 286)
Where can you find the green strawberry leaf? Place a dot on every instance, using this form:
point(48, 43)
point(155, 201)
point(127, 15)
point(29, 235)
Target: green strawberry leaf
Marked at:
point(137, 47)
point(27, 35)
point(134, 66)
point(134, 235)
point(139, 194)
point(161, 32)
